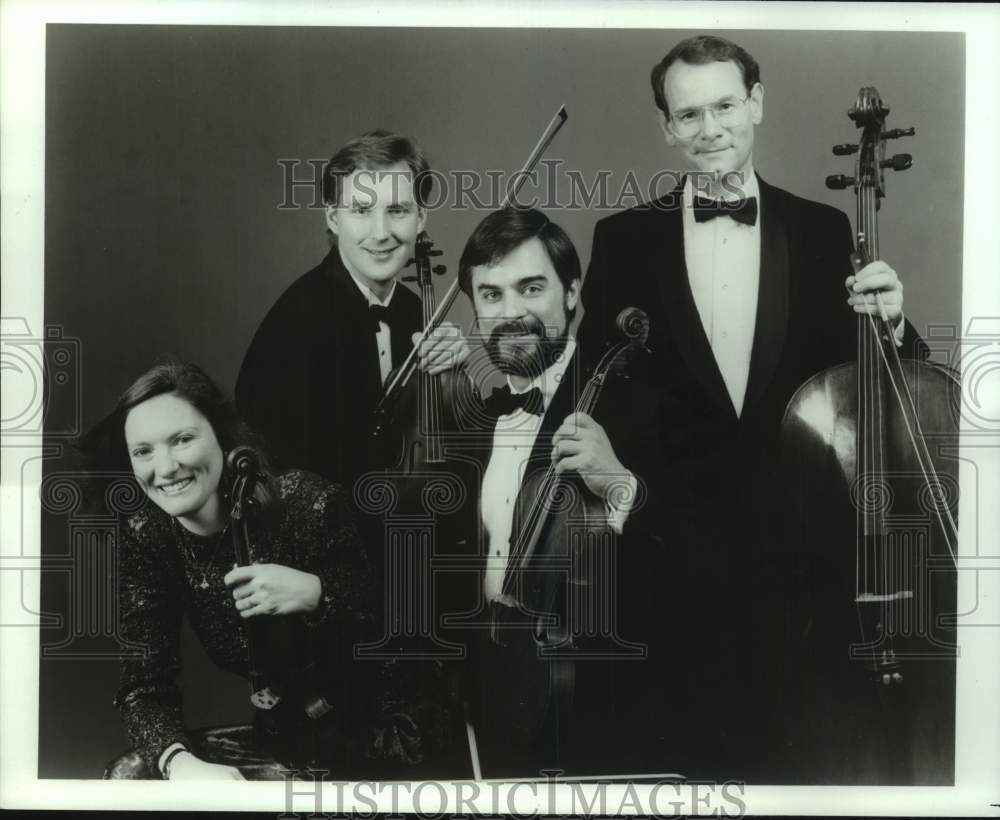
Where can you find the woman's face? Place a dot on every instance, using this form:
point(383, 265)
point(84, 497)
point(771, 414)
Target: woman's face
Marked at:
point(177, 460)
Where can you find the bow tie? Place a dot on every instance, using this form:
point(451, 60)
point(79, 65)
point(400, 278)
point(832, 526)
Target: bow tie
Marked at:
point(502, 402)
point(382, 313)
point(742, 210)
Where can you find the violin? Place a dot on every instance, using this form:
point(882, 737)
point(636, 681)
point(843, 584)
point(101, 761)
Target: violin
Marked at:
point(560, 566)
point(286, 705)
point(871, 452)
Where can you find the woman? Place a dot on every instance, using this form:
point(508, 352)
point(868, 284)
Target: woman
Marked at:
point(173, 429)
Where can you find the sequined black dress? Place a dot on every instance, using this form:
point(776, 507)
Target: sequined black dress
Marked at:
point(396, 710)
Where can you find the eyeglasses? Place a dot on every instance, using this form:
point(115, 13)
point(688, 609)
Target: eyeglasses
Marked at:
point(688, 122)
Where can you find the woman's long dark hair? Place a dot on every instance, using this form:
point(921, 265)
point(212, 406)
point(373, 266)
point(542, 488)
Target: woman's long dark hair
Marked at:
point(103, 448)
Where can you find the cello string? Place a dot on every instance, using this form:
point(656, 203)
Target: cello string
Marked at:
point(915, 436)
point(918, 440)
point(888, 580)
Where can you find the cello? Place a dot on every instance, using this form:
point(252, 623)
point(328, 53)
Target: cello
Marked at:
point(558, 590)
point(870, 449)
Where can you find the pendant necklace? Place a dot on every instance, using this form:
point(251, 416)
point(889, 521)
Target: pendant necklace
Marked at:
point(186, 539)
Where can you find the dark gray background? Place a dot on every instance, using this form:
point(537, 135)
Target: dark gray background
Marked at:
point(164, 235)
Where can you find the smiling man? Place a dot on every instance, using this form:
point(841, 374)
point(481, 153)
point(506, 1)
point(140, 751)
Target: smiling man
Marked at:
point(744, 285)
point(316, 367)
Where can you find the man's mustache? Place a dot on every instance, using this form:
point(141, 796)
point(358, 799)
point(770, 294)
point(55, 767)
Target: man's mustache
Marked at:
point(518, 327)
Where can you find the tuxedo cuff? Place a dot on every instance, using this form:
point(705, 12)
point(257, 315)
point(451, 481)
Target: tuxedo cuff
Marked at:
point(900, 330)
point(620, 498)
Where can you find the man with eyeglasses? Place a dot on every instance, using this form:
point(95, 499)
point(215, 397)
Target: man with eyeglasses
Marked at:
point(744, 284)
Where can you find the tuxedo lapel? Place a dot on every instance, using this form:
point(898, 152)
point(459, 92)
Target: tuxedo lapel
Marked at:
point(771, 324)
point(562, 404)
point(678, 300)
point(357, 332)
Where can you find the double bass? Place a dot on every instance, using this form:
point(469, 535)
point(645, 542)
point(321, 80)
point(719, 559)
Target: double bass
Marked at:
point(871, 454)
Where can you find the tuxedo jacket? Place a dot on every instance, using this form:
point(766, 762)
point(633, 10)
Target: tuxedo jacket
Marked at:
point(310, 380)
point(729, 566)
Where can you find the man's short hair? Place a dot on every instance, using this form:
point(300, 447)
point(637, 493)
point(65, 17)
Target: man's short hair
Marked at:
point(374, 150)
point(503, 231)
point(702, 50)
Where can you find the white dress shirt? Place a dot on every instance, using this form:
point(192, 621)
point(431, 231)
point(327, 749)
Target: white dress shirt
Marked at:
point(382, 338)
point(723, 264)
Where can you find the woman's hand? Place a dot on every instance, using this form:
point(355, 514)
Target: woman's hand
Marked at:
point(185, 766)
point(273, 589)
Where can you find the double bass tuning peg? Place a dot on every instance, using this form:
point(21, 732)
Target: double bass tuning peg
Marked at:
point(898, 162)
point(839, 181)
point(896, 133)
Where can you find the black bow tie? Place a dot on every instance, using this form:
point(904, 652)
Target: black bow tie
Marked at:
point(502, 402)
point(742, 210)
point(383, 313)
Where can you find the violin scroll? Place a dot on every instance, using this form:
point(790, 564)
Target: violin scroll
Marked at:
point(243, 460)
point(633, 324)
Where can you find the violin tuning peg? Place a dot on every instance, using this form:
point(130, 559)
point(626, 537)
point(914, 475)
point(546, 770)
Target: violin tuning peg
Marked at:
point(896, 133)
point(409, 278)
point(435, 253)
point(845, 149)
point(898, 162)
point(439, 269)
point(839, 181)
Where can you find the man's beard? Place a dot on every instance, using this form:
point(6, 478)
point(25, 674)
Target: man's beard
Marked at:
point(522, 348)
